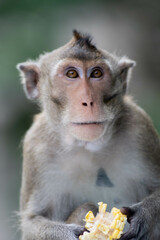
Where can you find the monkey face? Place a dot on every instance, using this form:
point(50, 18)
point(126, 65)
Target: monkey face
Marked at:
point(85, 92)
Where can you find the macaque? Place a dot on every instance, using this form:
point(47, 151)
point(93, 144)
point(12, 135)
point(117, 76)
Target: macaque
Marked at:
point(90, 143)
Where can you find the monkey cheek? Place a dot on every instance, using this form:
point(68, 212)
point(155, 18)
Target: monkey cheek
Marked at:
point(88, 132)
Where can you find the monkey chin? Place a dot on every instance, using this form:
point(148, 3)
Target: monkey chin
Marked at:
point(87, 132)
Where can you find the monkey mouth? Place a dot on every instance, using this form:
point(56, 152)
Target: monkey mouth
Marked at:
point(88, 123)
point(87, 131)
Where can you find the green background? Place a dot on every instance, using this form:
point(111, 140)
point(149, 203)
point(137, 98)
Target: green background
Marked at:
point(29, 28)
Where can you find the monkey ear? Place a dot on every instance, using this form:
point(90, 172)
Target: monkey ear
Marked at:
point(125, 64)
point(125, 67)
point(29, 72)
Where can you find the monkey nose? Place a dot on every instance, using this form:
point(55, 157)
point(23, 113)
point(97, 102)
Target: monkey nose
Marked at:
point(87, 104)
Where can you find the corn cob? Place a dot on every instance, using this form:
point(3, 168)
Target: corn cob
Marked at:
point(105, 226)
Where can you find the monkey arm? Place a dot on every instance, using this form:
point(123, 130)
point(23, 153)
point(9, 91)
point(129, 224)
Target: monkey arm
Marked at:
point(39, 227)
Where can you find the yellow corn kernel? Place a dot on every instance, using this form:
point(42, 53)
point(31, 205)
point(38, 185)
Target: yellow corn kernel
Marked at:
point(102, 207)
point(119, 223)
point(115, 234)
point(122, 226)
point(117, 217)
point(113, 225)
point(89, 216)
point(103, 228)
point(123, 218)
point(88, 225)
point(115, 211)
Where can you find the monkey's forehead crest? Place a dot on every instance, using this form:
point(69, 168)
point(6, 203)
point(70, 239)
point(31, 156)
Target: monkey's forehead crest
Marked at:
point(83, 40)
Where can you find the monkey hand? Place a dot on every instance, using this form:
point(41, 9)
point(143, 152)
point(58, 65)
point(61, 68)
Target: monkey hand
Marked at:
point(75, 231)
point(140, 220)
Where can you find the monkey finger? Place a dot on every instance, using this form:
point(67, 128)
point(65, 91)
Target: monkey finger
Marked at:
point(77, 229)
point(127, 211)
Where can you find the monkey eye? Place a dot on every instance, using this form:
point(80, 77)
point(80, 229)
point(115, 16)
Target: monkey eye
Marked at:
point(72, 73)
point(96, 73)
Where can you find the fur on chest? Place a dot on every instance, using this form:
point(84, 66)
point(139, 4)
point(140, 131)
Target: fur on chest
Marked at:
point(88, 176)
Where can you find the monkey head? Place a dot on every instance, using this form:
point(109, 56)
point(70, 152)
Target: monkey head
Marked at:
point(78, 86)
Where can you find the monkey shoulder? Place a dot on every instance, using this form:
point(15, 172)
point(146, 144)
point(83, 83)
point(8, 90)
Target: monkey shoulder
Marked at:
point(138, 119)
point(141, 128)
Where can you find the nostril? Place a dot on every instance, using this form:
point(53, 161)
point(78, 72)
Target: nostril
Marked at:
point(84, 104)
